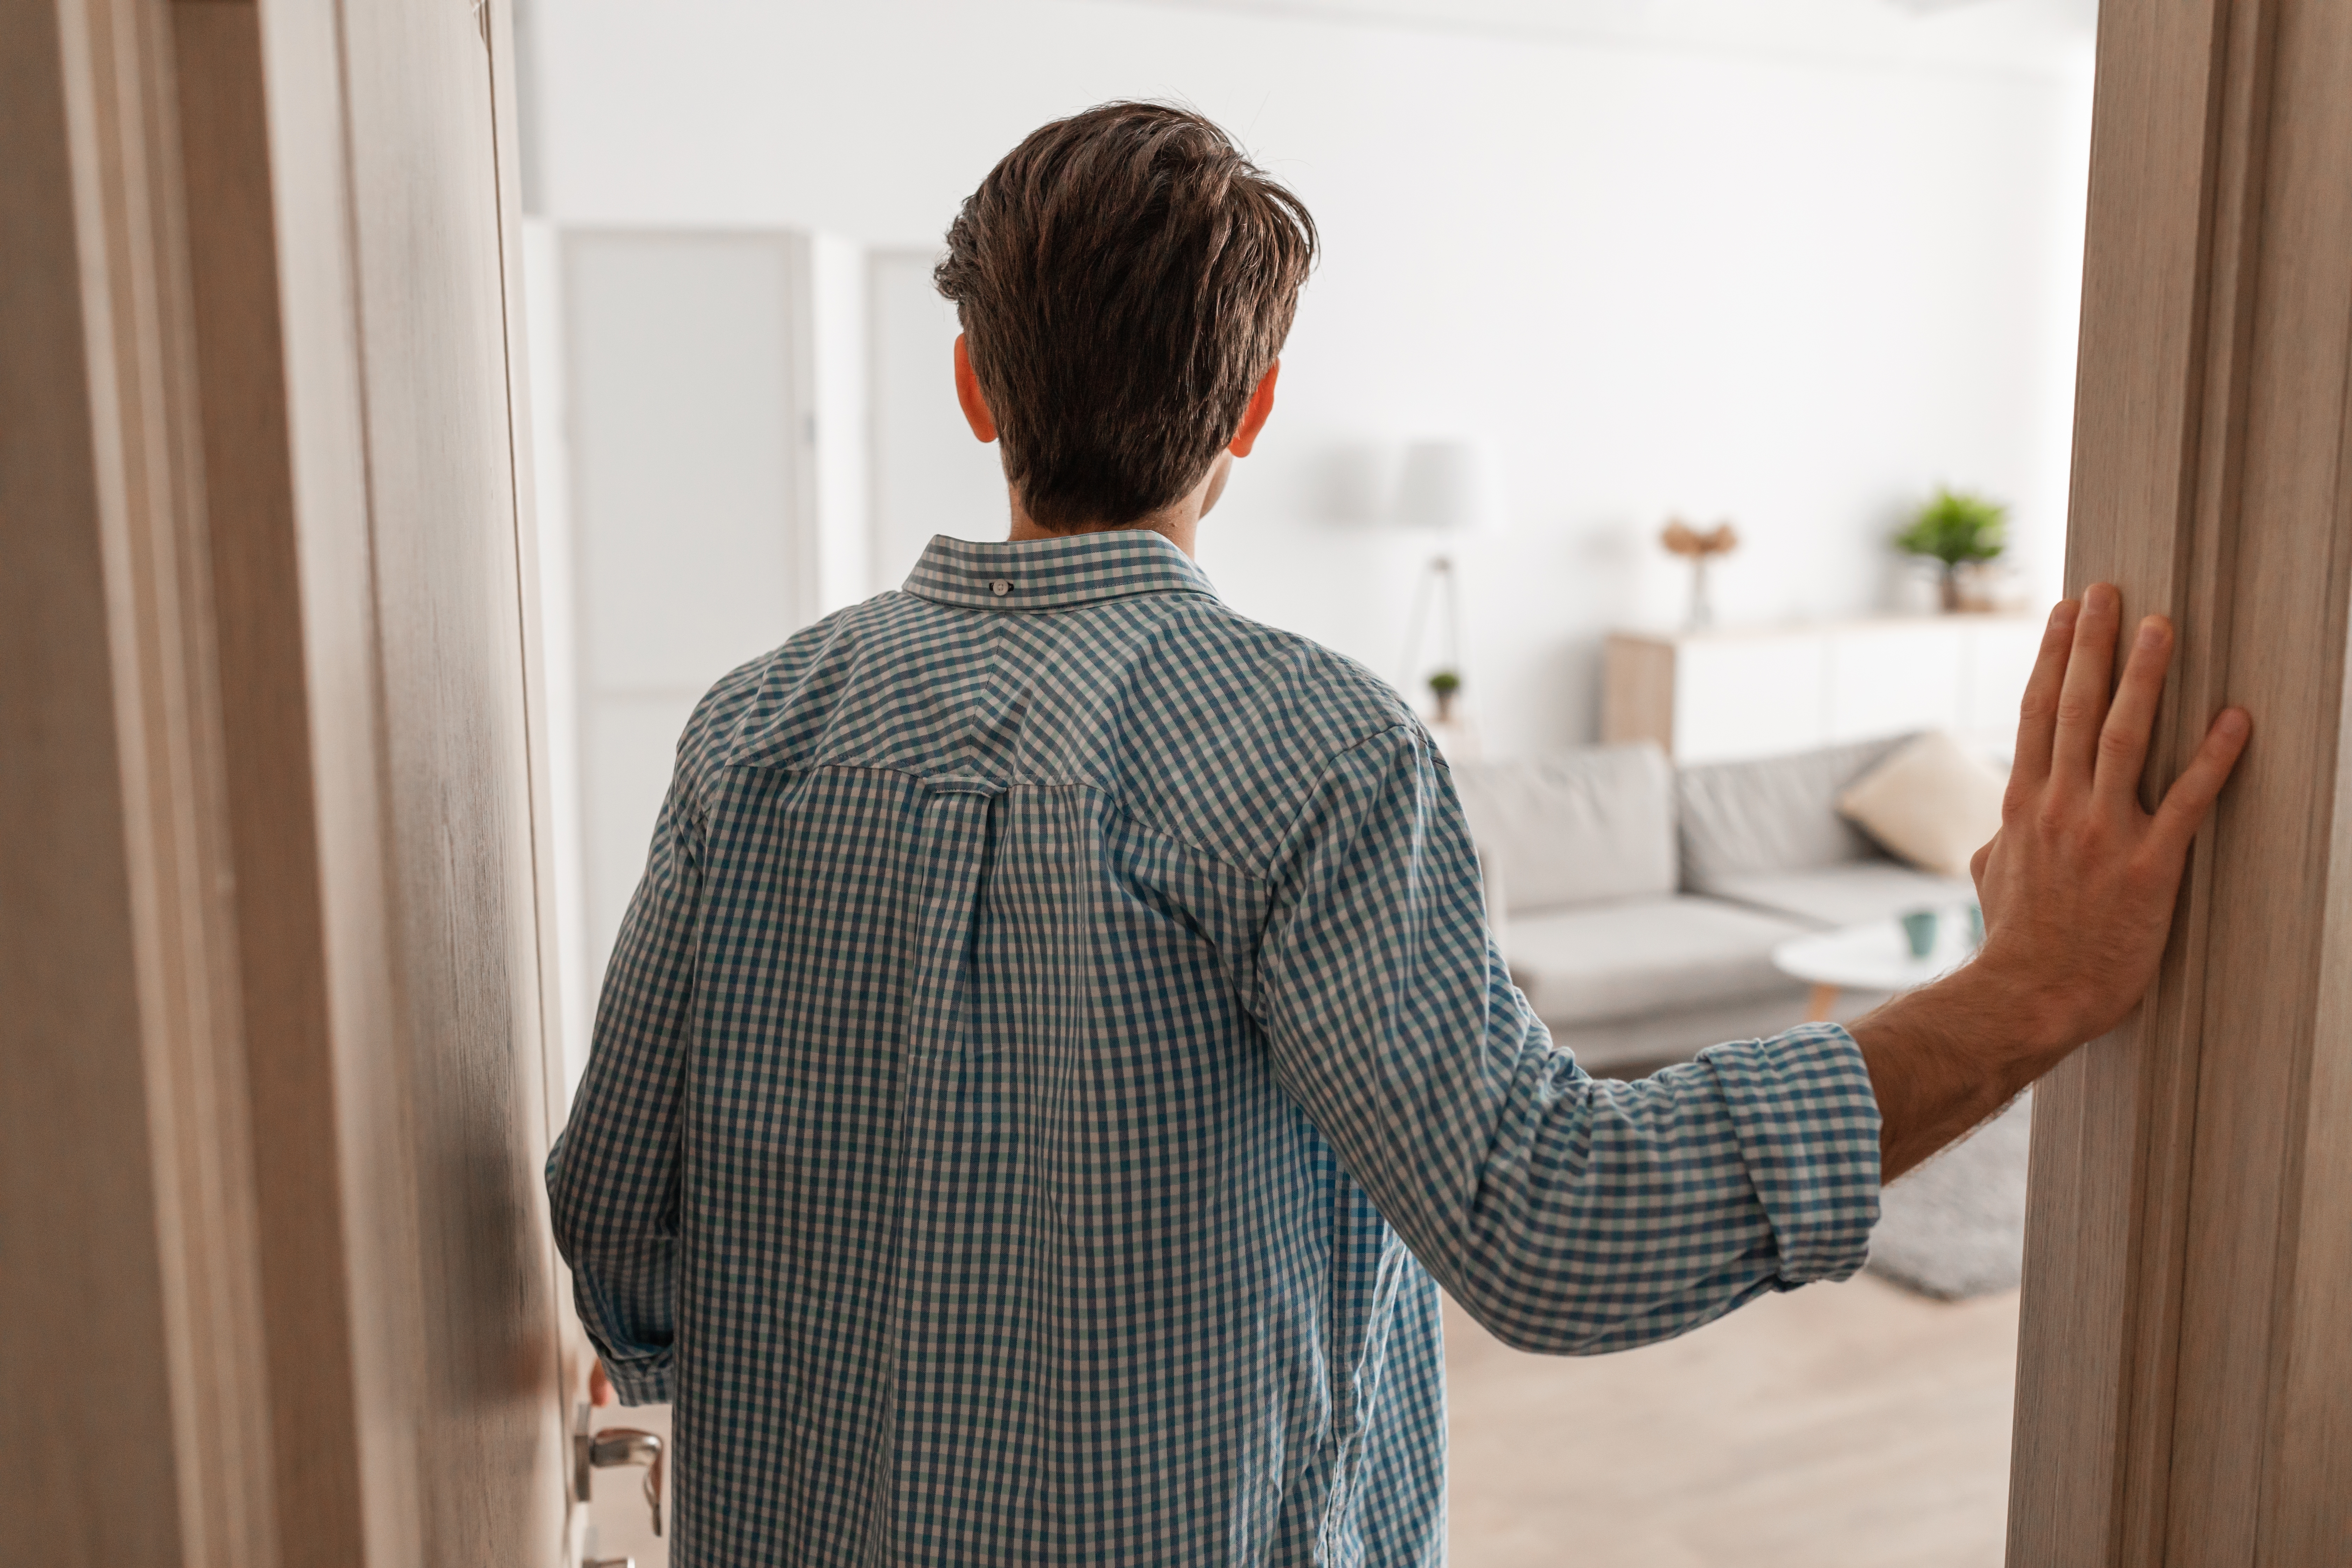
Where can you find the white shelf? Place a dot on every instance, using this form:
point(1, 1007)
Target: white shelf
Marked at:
point(1724, 693)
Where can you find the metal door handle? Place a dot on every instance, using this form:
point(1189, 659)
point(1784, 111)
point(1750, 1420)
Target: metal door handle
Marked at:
point(594, 1451)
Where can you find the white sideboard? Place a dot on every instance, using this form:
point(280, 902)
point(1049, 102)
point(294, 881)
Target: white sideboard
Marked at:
point(1718, 694)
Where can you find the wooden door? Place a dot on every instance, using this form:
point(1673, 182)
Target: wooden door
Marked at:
point(269, 804)
point(2184, 1368)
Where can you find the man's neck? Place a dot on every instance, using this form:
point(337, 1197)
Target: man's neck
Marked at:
point(1179, 523)
point(1178, 531)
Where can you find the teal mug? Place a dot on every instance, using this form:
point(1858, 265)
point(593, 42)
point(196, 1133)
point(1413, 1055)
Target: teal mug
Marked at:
point(1919, 931)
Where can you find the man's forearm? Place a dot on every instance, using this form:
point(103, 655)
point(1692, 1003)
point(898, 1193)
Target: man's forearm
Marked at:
point(1931, 1071)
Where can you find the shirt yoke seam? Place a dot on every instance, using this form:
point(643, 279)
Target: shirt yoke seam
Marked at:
point(1205, 851)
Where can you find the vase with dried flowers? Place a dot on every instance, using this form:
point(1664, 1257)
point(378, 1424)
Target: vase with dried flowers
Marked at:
point(1955, 528)
point(1681, 539)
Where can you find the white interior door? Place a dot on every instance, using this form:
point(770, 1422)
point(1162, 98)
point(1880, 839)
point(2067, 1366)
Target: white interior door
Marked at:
point(682, 367)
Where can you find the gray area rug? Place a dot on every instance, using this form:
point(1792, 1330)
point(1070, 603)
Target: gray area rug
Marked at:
point(1955, 1227)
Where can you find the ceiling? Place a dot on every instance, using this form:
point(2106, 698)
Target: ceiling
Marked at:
point(2031, 35)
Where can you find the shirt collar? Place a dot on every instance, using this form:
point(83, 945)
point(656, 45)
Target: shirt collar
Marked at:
point(1054, 574)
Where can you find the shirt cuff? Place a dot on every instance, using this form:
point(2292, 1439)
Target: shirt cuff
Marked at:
point(641, 1382)
point(1808, 1127)
point(640, 1373)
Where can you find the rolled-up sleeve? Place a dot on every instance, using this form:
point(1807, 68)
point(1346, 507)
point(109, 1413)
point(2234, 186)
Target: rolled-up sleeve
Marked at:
point(1568, 1214)
point(612, 1176)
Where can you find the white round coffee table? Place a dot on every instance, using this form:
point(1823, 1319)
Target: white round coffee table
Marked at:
point(1874, 956)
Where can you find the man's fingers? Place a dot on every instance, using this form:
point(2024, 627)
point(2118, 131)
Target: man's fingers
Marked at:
point(2082, 699)
point(2123, 741)
point(2038, 711)
point(2192, 794)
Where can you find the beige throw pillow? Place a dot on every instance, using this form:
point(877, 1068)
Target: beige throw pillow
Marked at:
point(1934, 802)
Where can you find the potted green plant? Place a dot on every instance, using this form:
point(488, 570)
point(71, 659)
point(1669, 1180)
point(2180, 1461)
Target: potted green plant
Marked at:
point(1444, 686)
point(1956, 529)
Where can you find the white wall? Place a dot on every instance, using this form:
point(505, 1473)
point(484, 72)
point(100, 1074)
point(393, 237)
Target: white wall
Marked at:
point(1666, 279)
point(929, 475)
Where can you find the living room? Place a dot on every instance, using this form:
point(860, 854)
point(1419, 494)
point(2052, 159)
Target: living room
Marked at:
point(1792, 277)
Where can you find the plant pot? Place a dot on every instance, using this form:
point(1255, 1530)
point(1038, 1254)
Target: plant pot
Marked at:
point(1984, 587)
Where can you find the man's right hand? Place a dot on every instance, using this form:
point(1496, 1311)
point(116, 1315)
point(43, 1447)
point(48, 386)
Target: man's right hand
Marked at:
point(2078, 889)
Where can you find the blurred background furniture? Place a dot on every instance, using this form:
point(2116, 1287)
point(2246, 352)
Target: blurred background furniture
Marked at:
point(1707, 695)
point(1639, 906)
point(1875, 956)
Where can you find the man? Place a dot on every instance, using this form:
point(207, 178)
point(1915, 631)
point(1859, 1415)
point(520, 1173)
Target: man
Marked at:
point(1055, 1054)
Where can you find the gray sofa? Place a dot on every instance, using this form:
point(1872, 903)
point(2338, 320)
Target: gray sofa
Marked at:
point(1639, 906)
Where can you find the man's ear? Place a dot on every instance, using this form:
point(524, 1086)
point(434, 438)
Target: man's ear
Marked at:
point(975, 405)
point(1254, 417)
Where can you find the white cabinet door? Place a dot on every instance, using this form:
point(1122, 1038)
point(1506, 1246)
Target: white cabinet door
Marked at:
point(1764, 693)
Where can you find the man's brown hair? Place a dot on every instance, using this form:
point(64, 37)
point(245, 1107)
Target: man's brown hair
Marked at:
point(1124, 277)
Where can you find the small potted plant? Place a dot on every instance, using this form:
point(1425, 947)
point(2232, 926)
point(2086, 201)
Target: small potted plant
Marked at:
point(1955, 528)
point(1445, 686)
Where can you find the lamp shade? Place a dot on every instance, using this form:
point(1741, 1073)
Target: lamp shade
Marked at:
point(1450, 485)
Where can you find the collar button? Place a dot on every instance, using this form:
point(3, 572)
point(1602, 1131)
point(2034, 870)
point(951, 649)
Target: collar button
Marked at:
point(1000, 587)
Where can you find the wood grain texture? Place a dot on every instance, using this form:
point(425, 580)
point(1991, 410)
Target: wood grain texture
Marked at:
point(2274, 903)
point(268, 946)
point(1637, 690)
point(249, 496)
point(142, 1430)
point(75, 1168)
point(383, 127)
point(2110, 1129)
point(1848, 1425)
point(325, 401)
point(2170, 1358)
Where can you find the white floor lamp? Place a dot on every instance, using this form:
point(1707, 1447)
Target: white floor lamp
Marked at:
point(1447, 486)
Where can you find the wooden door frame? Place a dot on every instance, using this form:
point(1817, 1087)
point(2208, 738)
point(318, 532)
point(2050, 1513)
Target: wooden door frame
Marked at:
point(140, 1431)
point(197, 888)
point(2184, 1383)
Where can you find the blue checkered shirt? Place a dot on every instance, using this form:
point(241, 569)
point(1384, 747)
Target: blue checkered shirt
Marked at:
point(1052, 1061)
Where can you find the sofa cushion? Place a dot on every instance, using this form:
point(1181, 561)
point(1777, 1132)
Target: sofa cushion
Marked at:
point(1574, 827)
point(1933, 801)
point(1772, 814)
point(1644, 955)
point(1845, 895)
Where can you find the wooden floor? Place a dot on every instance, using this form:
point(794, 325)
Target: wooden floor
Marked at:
point(1851, 1426)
